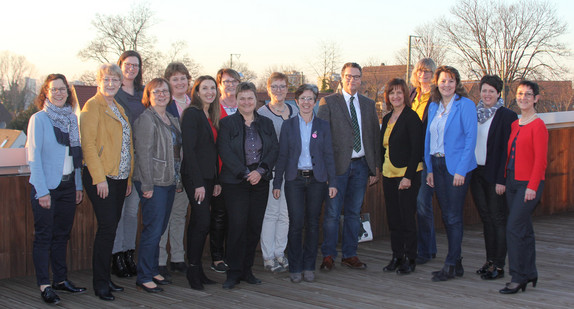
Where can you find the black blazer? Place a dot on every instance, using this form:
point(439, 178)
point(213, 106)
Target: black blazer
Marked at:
point(231, 141)
point(497, 145)
point(320, 149)
point(405, 142)
point(199, 150)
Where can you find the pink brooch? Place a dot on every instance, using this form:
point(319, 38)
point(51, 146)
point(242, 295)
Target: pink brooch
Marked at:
point(314, 135)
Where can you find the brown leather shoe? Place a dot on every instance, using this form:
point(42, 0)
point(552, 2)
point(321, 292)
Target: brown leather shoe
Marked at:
point(328, 263)
point(354, 263)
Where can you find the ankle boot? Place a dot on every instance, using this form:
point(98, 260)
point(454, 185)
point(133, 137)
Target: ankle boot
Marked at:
point(119, 266)
point(194, 277)
point(130, 262)
point(204, 278)
point(406, 267)
point(393, 264)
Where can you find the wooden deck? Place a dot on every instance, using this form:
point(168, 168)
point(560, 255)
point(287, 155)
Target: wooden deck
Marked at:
point(345, 288)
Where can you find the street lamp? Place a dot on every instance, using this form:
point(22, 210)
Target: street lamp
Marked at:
point(409, 57)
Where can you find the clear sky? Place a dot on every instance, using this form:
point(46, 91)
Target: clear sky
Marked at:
point(265, 33)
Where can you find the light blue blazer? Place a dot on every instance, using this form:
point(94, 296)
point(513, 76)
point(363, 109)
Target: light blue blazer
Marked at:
point(459, 136)
point(46, 156)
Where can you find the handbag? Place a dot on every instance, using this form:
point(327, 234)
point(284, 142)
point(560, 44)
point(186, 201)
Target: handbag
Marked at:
point(365, 233)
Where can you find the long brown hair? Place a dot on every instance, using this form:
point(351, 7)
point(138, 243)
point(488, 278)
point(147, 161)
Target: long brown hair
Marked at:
point(435, 94)
point(214, 109)
point(41, 98)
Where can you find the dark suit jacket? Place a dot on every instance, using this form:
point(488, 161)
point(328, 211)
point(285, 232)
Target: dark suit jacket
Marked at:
point(333, 109)
point(172, 109)
point(231, 141)
point(290, 151)
point(497, 145)
point(405, 142)
point(199, 150)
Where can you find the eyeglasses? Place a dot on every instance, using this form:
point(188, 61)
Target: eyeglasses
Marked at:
point(423, 71)
point(306, 99)
point(281, 87)
point(349, 77)
point(113, 80)
point(524, 94)
point(60, 90)
point(131, 65)
point(230, 82)
point(162, 92)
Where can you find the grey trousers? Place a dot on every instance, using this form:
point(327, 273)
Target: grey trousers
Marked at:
point(128, 226)
point(175, 231)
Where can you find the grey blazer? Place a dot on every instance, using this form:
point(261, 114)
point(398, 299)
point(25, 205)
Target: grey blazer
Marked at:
point(333, 109)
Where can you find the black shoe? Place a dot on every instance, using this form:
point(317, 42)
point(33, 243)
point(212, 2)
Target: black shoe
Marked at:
point(105, 295)
point(119, 267)
point(393, 264)
point(155, 289)
point(115, 288)
point(129, 261)
point(164, 272)
point(458, 269)
point(161, 282)
point(204, 278)
point(494, 273)
point(49, 296)
point(447, 272)
point(533, 280)
point(68, 286)
point(407, 266)
point(194, 277)
point(230, 284)
point(220, 268)
point(485, 268)
point(179, 267)
point(421, 260)
point(251, 279)
point(513, 287)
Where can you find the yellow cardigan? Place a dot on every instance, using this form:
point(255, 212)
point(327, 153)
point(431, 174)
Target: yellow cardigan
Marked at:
point(101, 137)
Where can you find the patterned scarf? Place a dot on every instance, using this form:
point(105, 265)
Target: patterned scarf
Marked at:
point(65, 125)
point(484, 113)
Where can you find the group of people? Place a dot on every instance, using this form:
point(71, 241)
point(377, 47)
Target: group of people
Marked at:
point(263, 175)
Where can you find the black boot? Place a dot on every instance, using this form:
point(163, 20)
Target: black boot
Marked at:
point(194, 277)
point(119, 266)
point(393, 264)
point(204, 278)
point(130, 263)
point(407, 266)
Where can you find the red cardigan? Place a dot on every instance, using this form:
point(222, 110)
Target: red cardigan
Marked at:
point(531, 152)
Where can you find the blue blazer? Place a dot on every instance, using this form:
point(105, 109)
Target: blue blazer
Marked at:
point(290, 149)
point(459, 136)
point(46, 156)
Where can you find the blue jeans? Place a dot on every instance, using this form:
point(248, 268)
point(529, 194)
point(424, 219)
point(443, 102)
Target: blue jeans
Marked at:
point(304, 197)
point(425, 219)
point(451, 201)
point(351, 187)
point(519, 230)
point(155, 216)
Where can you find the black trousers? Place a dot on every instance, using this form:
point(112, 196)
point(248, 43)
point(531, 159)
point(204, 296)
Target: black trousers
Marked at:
point(199, 220)
point(218, 228)
point(108, 212)
point(493, 212)
point(245, 206)
point(401, 215)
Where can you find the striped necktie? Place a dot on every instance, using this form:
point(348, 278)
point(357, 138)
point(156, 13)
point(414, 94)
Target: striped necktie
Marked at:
point(356, 130)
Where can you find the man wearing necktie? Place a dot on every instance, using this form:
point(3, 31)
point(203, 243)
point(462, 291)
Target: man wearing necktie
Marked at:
point(357, 149)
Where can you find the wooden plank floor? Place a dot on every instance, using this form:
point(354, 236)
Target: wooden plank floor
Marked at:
point(344, 288)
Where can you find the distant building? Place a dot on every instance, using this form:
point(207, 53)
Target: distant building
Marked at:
point(294, 79)
point(12, 138)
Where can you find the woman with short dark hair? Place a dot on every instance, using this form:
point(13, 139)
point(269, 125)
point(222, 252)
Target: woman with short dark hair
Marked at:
point(55, 160)
point(248, 148)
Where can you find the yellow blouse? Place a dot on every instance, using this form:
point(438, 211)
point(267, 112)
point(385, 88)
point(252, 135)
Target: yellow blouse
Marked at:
point(420, 103)
point(389, 170)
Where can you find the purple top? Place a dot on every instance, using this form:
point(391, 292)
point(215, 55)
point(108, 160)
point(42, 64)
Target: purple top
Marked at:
point(253, 147)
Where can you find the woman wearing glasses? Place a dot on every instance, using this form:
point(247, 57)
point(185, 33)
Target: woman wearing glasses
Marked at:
point(108, 152)
point(276, 220)
point(55, 160)
point(129, 96)
point(156, 177)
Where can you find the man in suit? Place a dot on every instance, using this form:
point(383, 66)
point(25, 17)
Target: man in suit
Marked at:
point(357, 150)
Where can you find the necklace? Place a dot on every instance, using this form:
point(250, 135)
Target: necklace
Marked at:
point(280, 111)
point(527, 120)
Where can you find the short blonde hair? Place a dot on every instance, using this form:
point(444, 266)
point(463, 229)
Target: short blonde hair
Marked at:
point(423, 64)
point(109, 69)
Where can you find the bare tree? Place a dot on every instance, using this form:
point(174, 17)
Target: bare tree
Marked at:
point(177, 52)
point(118, 33)
point(88, 78)
point(14, 71)
point(429, 43)
point(513, 40)
point(243, 69)
point(327, 64)
point(373, 82)
point(294, 76)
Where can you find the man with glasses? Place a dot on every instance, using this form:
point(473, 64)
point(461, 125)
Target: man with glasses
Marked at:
point(357, 150)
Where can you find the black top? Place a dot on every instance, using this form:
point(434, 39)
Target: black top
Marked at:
point(497, 145)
